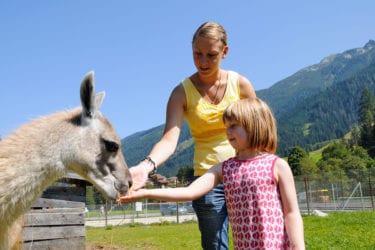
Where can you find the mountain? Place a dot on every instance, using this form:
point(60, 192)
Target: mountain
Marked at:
point(136, 147)
point(316, 104)
point(284, 95)
point(326, 115)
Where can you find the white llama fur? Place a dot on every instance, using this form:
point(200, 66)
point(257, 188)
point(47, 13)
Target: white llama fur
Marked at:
point(32, 157)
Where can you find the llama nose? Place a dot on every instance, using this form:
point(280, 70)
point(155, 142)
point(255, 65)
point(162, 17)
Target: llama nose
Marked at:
point(123, 188)
point(130, 184)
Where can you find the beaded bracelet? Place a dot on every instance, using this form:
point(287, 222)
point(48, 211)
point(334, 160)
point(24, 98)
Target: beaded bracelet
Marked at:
point(148, 158)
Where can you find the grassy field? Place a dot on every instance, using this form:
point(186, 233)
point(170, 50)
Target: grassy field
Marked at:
point(354, 230)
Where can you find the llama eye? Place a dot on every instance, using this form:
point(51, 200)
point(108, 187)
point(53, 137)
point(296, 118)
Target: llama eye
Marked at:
point(111, 146)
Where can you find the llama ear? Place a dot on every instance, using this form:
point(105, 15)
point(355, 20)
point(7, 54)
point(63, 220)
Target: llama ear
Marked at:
point(88, 95)
point(99, 100)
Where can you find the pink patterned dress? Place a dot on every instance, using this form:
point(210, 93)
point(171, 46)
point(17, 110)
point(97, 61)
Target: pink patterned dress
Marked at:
point(254, 203)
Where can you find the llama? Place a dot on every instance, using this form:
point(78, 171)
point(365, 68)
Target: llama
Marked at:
point(81, 140)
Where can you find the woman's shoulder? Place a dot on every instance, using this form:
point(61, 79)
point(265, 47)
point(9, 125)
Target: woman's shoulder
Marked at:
point(246, 87)
point(178, 93)
point(237, 77)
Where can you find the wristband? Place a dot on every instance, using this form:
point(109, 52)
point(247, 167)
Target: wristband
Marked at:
point(148, 158)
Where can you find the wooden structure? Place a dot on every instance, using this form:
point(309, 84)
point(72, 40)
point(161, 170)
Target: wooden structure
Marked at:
point(57, 219)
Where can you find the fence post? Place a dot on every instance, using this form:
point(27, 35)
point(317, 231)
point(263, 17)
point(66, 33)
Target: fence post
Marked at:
point(334, 196)
point(307, 195)
point(371, 194)
point(177, 212)
point(106, 213)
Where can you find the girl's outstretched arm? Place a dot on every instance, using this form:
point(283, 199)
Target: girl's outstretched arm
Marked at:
point(196, 189)
point(292, 215)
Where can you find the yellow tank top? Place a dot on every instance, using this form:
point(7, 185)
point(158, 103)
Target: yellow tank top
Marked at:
point(206, 124)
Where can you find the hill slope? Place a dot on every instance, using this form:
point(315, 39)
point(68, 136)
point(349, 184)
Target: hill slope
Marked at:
point(325, 116)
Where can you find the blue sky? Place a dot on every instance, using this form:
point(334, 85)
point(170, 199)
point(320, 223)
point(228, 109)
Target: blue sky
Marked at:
point(141, 49)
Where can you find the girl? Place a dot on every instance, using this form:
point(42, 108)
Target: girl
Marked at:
point(259, 186)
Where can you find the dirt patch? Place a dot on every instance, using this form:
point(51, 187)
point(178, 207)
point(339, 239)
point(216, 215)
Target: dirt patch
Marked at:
point(141, 246)
point(101, 247)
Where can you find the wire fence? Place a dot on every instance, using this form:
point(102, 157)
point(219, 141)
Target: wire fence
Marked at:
point(336, 191)
point(142, 212)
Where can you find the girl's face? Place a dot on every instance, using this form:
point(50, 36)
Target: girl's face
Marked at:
point(207, 54)
point(237, 135)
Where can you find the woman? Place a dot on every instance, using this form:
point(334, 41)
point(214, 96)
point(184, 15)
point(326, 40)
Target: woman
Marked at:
point(201, 100)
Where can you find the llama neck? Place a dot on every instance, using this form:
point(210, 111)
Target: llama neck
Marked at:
point(30, 160)
point(25, 181)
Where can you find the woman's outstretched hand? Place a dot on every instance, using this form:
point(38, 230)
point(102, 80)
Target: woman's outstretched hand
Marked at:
point(139, 175)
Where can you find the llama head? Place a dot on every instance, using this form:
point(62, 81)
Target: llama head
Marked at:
point(98, 155)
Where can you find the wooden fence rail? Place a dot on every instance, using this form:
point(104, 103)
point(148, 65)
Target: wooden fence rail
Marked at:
point(55, 224)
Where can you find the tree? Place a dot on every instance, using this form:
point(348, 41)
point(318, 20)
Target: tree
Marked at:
point(336, 150)
point(360, 152)
point(353, 166)
point(90, 196)
point(98, 197)
point(371, 147)
point(339, 159)
point(185, 174)
point(331, 169)
point(294, 159)
point(366, 121)
point(308, 167)
point(355, 136)
point(366, 108)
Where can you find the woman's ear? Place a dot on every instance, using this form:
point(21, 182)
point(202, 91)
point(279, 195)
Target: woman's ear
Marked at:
point(225, 51)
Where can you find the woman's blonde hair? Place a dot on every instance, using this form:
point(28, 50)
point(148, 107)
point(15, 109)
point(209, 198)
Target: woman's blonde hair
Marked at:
point(211, 30)
point(256, 117)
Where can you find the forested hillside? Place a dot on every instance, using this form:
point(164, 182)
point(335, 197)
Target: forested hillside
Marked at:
point(138, 145)
point(327, 115)
point(316, 104)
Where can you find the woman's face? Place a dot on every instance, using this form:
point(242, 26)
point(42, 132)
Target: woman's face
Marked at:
point(207, 54)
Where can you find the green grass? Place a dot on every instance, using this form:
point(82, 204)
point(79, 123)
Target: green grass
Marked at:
point(163, 236)
point(316, 155)
point(346, 230)
point(354, 230)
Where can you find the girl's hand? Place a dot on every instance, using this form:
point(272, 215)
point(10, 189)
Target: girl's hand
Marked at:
point(133, 195)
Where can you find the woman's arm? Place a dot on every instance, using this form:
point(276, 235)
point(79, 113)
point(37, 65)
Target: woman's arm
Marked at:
point(196, 189)
point(163, 149)
point(292, 215)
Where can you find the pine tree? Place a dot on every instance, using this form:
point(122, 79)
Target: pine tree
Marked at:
point(366, 121)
